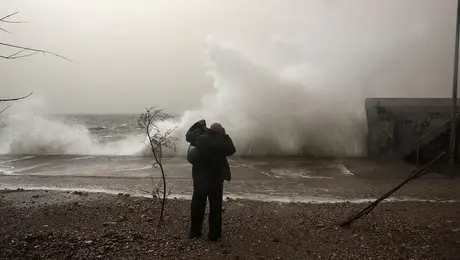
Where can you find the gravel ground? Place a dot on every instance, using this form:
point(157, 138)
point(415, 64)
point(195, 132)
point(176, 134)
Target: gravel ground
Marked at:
point(59, 225)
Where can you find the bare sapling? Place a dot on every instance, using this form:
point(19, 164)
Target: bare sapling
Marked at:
point(157, 142)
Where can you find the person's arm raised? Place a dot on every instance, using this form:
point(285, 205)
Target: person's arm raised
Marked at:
point(194, 131)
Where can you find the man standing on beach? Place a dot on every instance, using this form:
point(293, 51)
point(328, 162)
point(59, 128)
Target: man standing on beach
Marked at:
point(209, 173)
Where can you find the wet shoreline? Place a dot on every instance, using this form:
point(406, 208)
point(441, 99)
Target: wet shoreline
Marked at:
point(280, 179)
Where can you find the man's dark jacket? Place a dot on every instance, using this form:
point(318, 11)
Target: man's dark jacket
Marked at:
point(213, 149)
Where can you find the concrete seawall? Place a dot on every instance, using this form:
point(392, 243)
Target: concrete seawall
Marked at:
point(396, 124)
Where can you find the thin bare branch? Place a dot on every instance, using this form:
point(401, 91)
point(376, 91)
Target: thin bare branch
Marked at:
point(3, 110)
point(34, 50)
point(15, 99)
point(17, 56)
point(3, 19)
point(146, 144)
point(12, 57)
point(1, 29)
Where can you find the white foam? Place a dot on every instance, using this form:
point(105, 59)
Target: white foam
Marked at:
point(343, 169)
point(19, 159)
point(6, 170)
point(20, 170)
point(247, 196)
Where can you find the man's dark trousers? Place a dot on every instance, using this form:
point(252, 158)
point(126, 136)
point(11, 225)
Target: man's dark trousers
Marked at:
point(204, 188)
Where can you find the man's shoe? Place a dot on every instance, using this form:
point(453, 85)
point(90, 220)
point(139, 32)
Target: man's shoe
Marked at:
point(192, 235)
point(213, 238)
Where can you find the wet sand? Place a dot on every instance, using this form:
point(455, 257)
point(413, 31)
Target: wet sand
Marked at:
point(65, 225)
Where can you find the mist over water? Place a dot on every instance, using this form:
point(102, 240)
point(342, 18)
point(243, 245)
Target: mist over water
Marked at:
point(297, 89)
point(29, 129)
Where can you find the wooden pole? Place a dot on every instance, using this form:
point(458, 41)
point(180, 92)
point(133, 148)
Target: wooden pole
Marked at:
point(453, 132)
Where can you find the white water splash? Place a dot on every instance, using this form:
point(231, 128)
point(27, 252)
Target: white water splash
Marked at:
point(297, 88)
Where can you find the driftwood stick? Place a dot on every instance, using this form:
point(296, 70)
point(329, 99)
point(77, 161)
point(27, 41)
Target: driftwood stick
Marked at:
point(415, 174)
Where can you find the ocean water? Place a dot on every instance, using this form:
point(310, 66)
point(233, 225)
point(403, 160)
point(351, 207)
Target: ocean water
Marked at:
point(113, 146)
point(105, 128)
point(105, 153)
point(89, 145)
point(34, 134)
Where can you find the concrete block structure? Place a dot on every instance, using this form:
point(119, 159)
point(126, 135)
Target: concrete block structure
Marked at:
point(395, 125)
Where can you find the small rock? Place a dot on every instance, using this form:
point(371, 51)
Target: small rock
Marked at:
point(126, 195)
point(35, 196)
point(120, 194)
point(276, 240)
point(109, 223)
point(321, 225)
point(88, 242)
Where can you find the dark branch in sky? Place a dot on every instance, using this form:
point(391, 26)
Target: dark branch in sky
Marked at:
point(14, 99)
point(3, 19)
point(17, 56)
point(30, 49)
point(1, 29)
point(3, 110)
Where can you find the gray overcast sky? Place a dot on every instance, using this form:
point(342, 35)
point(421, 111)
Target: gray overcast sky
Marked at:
point(132, 54)
point(127, 54)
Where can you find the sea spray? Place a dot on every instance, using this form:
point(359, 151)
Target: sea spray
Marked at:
point(296, 88)
point(28, 128)
point(311, 103)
